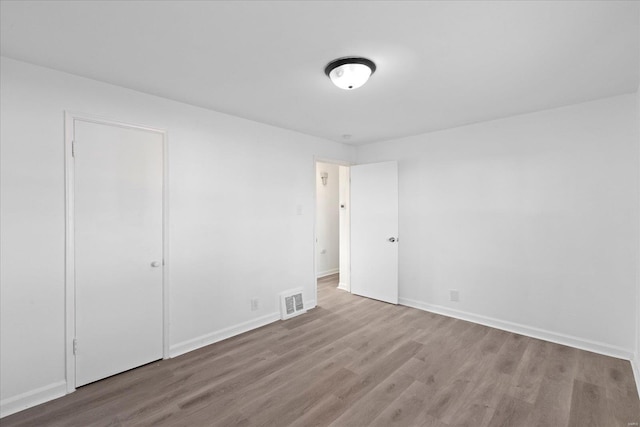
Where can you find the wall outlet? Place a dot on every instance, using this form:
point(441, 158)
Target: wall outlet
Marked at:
point(454, 295)
point(254, 304)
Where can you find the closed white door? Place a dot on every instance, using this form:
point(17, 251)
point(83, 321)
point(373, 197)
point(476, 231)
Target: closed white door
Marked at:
point(374, 231)
point(118, 188)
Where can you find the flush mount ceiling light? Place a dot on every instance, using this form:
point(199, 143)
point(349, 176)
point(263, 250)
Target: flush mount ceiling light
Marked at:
point(350, 73)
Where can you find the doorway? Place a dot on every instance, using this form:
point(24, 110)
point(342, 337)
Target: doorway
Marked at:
point(115, 246)
point(367, 236)
point(332, 235)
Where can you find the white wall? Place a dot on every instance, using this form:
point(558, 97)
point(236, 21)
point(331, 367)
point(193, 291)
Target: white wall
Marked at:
point(533, 218)
point(235, 233)
point(327, 221)
point(345, 228)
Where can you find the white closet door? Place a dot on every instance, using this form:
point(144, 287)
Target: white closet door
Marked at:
point(118, 248)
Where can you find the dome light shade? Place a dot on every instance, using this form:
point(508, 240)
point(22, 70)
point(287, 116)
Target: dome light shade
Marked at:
point(350, 73)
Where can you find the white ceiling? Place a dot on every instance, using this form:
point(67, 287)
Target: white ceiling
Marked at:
point(440, 64)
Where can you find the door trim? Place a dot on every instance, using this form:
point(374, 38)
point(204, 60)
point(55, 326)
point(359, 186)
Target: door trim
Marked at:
point(69, 174)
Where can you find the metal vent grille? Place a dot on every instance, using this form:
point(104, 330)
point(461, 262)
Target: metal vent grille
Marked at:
point(291, 303)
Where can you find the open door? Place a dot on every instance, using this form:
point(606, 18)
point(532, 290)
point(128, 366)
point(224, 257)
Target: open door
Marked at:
point(374, 231)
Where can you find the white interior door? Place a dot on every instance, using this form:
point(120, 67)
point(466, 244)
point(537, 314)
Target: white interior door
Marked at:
point(118, 215)
point(374, 231)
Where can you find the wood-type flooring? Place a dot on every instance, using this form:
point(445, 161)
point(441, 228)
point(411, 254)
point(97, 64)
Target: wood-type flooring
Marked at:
point(354, 361)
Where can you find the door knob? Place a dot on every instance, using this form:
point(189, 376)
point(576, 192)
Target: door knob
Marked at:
point(392, 239)
point(155, 264)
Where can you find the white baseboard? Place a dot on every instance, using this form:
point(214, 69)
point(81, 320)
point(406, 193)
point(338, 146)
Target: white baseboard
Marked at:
point(204, 340)
point(571, 341)
point(32, 398)
point(635, 366)
point(344, 287)
point(327, 272)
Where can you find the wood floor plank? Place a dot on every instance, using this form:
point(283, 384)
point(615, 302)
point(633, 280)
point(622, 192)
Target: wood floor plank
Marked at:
point(377, 349)
point(562, 363)
point(622, 396)
point(429, 421)
point(511, 353)
point(624, 411)
point(553, 403)
point(287, 411)
point(528, 376)
point(166, 416)
point(442, 362)
point(447, 398)
point(591, 368)
point(619, 379)
point(280, 383)
point(357, 388)
point(511, 412)
point(277, 390)
point(365, 410)
point(588, 406)
point(210, 395)
point(477, 405)
point(354, 361)
point(406, 408)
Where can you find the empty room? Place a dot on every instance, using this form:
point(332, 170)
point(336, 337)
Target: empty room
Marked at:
point(314, 213)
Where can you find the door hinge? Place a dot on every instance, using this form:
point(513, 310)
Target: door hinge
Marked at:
point(75, 346)
point(73, 148)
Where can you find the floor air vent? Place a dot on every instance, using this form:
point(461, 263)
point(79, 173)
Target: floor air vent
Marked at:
point(291, 303)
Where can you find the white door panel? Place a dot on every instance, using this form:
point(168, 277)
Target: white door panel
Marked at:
point(374, 222)
point(118, 235)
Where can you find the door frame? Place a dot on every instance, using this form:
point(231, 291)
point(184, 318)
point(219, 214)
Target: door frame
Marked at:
point(316, 160)
point(69, 174)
